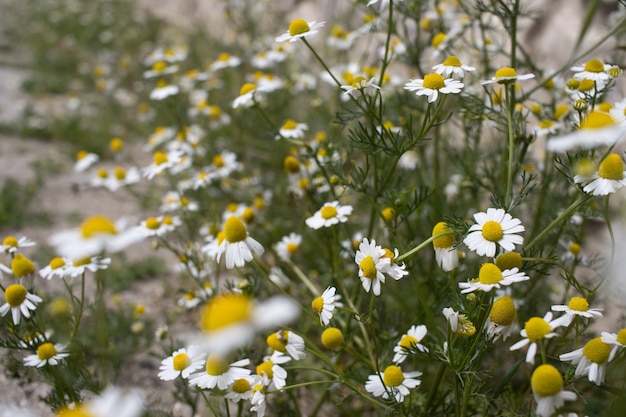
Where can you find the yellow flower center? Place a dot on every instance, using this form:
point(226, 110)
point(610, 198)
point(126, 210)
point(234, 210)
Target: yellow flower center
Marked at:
point(160, 157)
point(225, 310)
point(506, 72)
point(119, 173)
point(388, 213)
point(218, 161)
point(586, 85)
point(443, 242)
point(368, 267)
point(181, 361)
point(546, 381)
point(215, 365)
point(81, 154)
point(509, 260)
point(298, 27)
point(10, 241)
point(318, 304)
point(408, 342)
point(292, 165)
point(278, 342)
point(292, 248)
point(81, 261)
point(234, 230)
point(465, 327)
point(332, 338)
point(578, 304)
point(503, 311)
point(328, 212)
point(546, 124)
point(452, 61)
point(152, 223)
point(596, 120)
point(560, 110)
point(536, 329)
point(116, 144)
point(605, 106)
point(223, 57)
point(492, 231)
point(290, 124)
point(15, 294)
point(389, 254)
point(612, 167)
point(574, 248)
point(78, 411)
point(265, 368)
point(438, 39)
point(248, 215)
point(241, 385)
point(46, 351)
point(246, 88)
point(434, 81)
point(22, 266)
point(393, 376)
point(597, 351)
point(167, 220)
point(594, 65)
point(621, 336)
point(57, 262)
point(102, 173)
point(159, 66)
point(95, 225)
point(489, 274)
point(358, 81)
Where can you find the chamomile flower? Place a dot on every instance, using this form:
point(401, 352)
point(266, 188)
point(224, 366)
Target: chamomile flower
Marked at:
point(493, 228)
point(85, 160)
point(596, 129)
point(111, 402)
point(360, 86)
point(446, 254)
point(162, 161)
point(325, 305)
point(547, 385)
point(242, 388)
point(372, 262)
point(22, 267)
point(288, 246)
point(577, 306)
point(394, 270)
point(292, 130)
point(58, 267)
point(287, 342)
point(19, 302)
point(329, 215)
point(490, 277)
point(158, 226)
point(182, 362)
point(410, 343)
point(238, 246)
point(10, 244)
point(225, 60)
point(535, 330)
point(432, 85)
point(459, 323)
point(79, 266)
point(47, 354)
point(610, 177)
point(452, 66)
point(274, 376)
point(507, 75)
point(218, 373)
point(594, 70)
point(163, 90)
point(246, 96)
point(300, 28)
point(502, 319)
point(116, 178)
point(617, 340)
point(257, 401)
point(392, 381)
point(591, 360)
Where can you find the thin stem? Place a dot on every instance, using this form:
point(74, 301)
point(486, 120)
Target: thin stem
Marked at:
point(607, 219)
point(421, 246)
point(510, 100)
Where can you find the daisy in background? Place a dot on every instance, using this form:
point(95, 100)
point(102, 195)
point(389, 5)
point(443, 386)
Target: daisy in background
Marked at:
point(300, 29)
point(163, 90)
point(535, 330)
point(446, 254)
point(502, 319)
point(225, 60)
point(218, 373)
point(547, 385)
point(246, 96)
point(79, 266)
point(58, 267)
point(360, 86)
point(182, 362)
point(617, 340)
point(596, 129)
point(610, 177)
point(329, 215)
point(452, 66)
point(577, 307)
point(116, 178)
point(288, 246)
point(21, 267)
point(410, 343)
point(507, 75)
point(237, 246)
point(10, 245)
point(490, 277)
point(591, 360)
point(85, 160)
point(162, 161)
point(47, 354)
point(392, 381)
point(325, 305)
point(292, 130)
point(158, 226)
point(112, 401)
point(371, 261)
point(494, 228)
point(394, 270)
point(459, 323)
point(274, 376)
point(242, 388)
point(19, 302)
point(432, 85)
point(160, 68)
point(594, 70)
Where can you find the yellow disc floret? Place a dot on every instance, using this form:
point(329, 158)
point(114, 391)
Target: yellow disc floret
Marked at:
point(489, 274)
point(536, 329)
point(443, 242)
point(612, 167)
point(503, 311)
point(597, 351)
point(181, 361)
point(10, 241)
point(225, 310)
point(434, 81)
point(152, 223)
point(57, 263)
point(96, 225)
point(368, 267)
point(506, 72)
point(594, 65)
point(578, 304)
point(546, 381)
point(292, 165)
point(246, 88)
point(597, 120)
point(290, 124)
point(15, 294)
point(408, 342)
point(234, 230)
point(278, 341)
point(393, 376)
point(452, 61)
point(215, 365)
point(265, 368)
point(46, 351)
point(509, 260)
point(298, 27)
point(332, 338)
point(22, 266)
point(492, 231)
point(241, 385)
point(328, 212)
point(318, 304)
point(621, 336)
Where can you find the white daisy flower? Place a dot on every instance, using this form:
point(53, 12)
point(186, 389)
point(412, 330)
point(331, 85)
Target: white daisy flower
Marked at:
point(182, 362)
point(287, 342)
point(596, 129)
point(372, 262)
point(591, 360)
point(393, 381)
point(507, 75)
point(459, 323)
point(159, 226)
point(85, 160)
point(292, 129)
point(162, 161)
point(218, 373)
point(452, 66)
point(410, 343)
point(502, 319)
point(225, 60)
point(224, 164)
point(490, 277)
point(617, 340)
point(47, 354)
point(111, 402)
point(10, 244)
point(360, 86)
point(274, 376)
point(288, 246)
point(300, 28)
point(577, 306)
point(19, 302)
point(160, 68)
point(58, 267)
point(496, 226)
point(330, 214)
point(246, 96)
point(394, 270)
point(257, 401)
point(610, 177)
point(547, 385)
point(79, 266)
point(242, 388)
point(432, 85)
point(535, 330)
point(594, 70)
point(325, 305)
point(446, 254)
point(116, 178)
point(163, 90)
point(238, 246)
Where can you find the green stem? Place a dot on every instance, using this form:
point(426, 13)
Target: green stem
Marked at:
point(510, 100)
point(421, 246)
point(607, 219)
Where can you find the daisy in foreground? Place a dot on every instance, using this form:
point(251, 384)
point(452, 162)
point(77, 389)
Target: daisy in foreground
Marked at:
point(432, 85)
point(596, 129)
point(410, 343)
point(392, 382)
point(19, 302)
point(590, 359)
point(445, 253)
point(47, 354)
point(502, 318)
point(325, 304)
point(300, 29)
point(111, 402)
point(577, 306)
point(372, 263)
point(237, 244)
point(218, 373)
point(330, 214)
point(495, 227)
point(182, 362)
point(547, 385)
point(535, 330)
point(452, 66)
point(507, 75)
point(490, 277)
point(610, 177)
